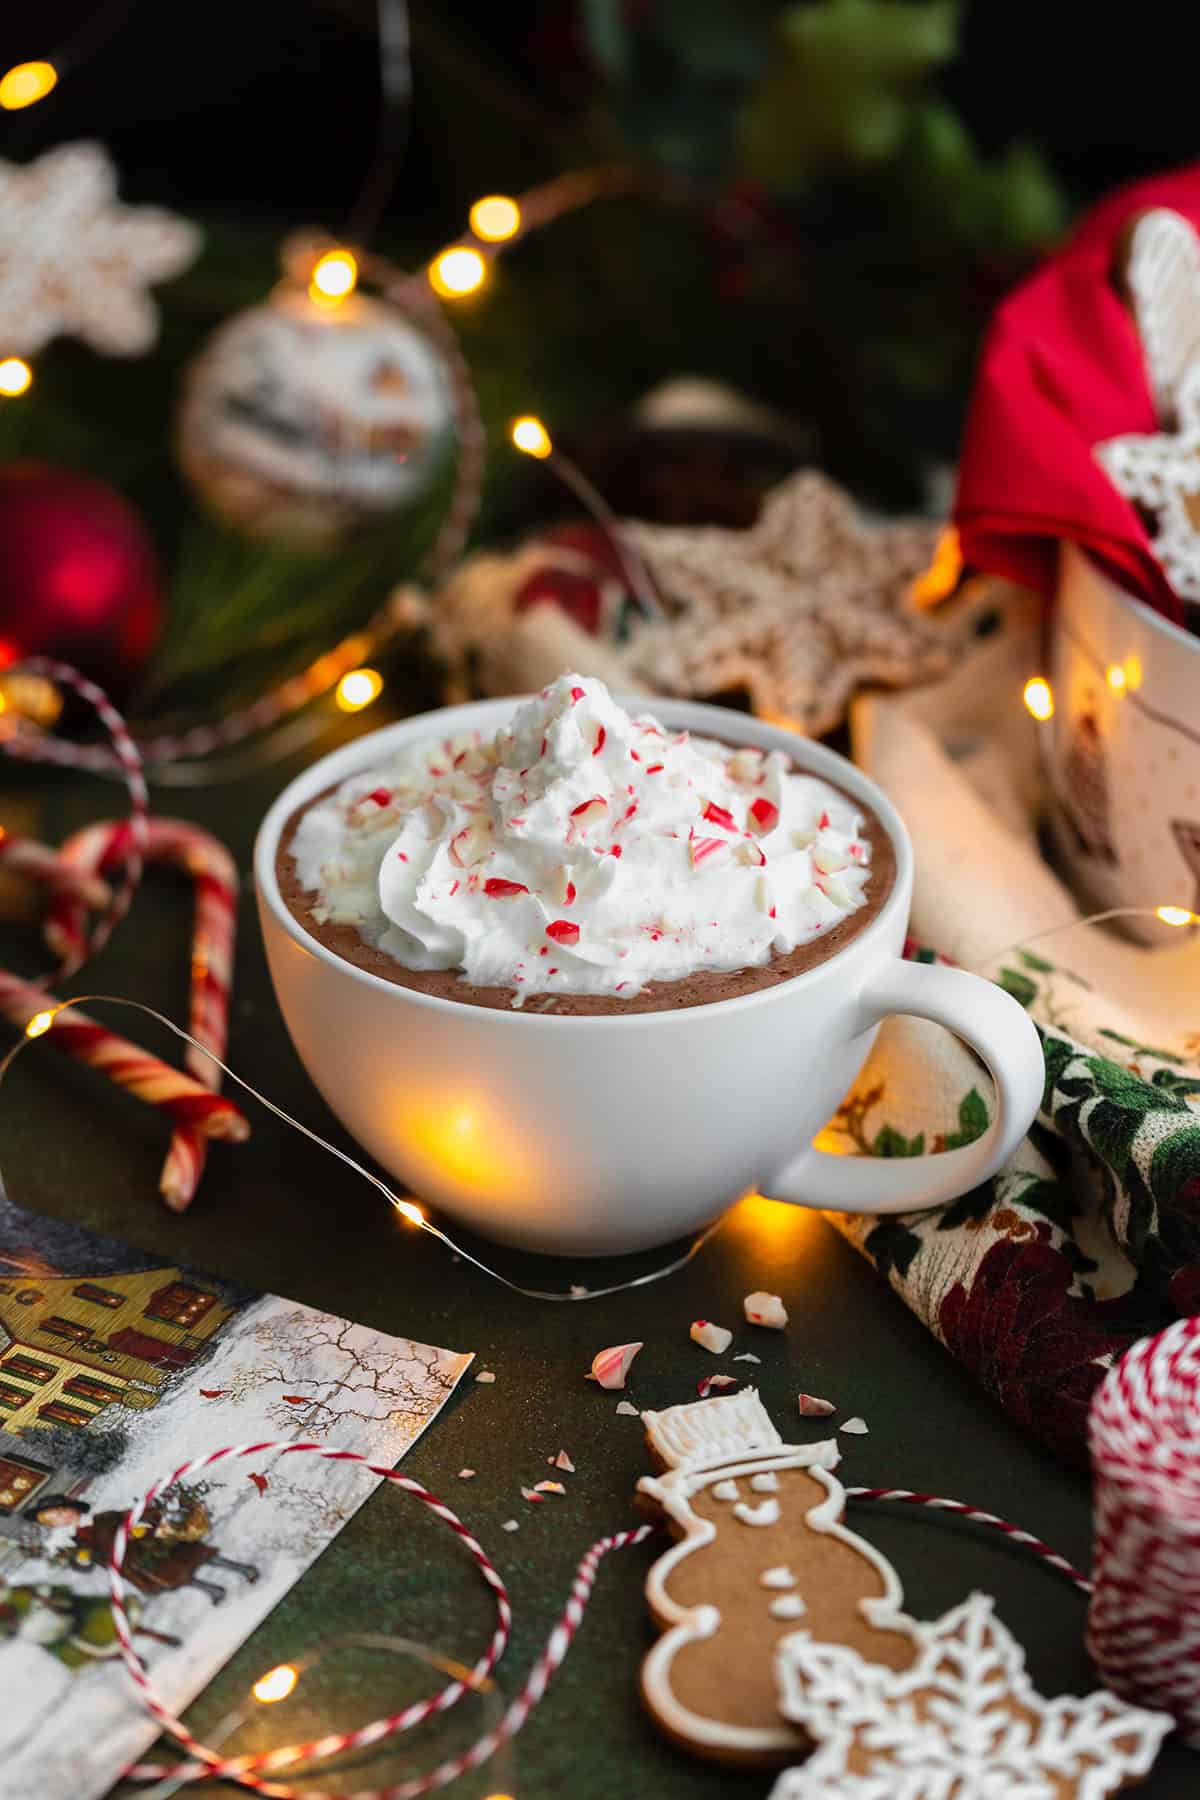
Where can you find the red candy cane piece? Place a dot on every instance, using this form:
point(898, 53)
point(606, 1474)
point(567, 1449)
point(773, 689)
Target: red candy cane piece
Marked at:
point(202, 857)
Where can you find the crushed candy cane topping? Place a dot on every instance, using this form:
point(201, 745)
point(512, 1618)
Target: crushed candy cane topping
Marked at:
point(709, 1336)
point(675, 853)
point(765, 1309)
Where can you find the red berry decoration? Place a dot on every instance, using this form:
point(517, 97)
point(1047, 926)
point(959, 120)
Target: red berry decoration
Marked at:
point(79, 579)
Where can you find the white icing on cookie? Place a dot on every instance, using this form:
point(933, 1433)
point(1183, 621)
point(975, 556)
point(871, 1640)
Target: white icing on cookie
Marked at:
point(765, 1513)
point(726, 1490)
point(779, 1577)
point(788, 1606)
point(767, 1483)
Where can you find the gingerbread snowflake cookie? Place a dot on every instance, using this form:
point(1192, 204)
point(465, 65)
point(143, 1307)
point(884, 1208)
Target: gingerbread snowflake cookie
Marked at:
point(761, 1549)
point(963, 1719)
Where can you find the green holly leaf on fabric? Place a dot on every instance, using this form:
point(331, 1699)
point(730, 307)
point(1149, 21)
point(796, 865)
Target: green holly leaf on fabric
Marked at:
point(1175, 1173)
point(972, 1120)
point(890, 1142)
point(1179, 1085)
point(1166, 1056)
point(1037, 963)
point(892, 1246)
point(969, 1209)
point(1018, 985)
point(1052, 1199)
point(840, 85)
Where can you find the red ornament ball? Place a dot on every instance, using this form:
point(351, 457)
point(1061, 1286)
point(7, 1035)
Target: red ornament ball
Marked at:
point(79, 578)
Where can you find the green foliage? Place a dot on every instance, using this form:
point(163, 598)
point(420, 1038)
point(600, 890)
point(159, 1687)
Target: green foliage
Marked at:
point(890, 1142)
point(840, 86)
point(892, 1246)
point(972, 1120)
point(1019, 986)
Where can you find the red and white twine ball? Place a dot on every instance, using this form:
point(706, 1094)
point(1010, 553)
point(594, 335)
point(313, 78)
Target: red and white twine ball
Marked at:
point(1144, 1436)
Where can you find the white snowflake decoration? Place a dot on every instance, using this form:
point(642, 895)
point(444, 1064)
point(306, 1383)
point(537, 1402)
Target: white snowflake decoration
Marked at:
point(74, 262)
point(964, 1720)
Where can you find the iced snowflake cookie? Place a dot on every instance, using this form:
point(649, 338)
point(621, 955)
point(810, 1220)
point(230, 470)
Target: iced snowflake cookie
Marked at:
point(963, 1719)
point(761, 1551)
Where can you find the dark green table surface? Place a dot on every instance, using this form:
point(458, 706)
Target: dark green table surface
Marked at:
point(281, 1215)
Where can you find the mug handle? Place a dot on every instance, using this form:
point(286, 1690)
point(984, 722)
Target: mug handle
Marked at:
point(991, 1023)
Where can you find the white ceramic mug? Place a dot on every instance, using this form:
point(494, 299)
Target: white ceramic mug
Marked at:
point(1123, 748)
point(589, 1136)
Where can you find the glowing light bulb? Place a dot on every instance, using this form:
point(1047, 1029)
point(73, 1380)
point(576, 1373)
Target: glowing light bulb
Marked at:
point(1176, 915)
point(1133, 671)
point(15, 376)
point(408, 1211)
point(358, 688)
point(531, 436)
point(335, 276)
point(456, 272)
point(495, 218)
point(1039, 698)
point(276, 1684)
point(1116, 678)
point(39, 1025)
point(25, 83)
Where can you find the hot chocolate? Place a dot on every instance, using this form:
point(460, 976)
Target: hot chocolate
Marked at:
point(585, 862)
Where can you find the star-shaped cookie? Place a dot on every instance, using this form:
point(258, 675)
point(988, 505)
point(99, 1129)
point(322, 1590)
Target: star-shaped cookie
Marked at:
point(964, 1719)
point(799, 611)
point(74, 261)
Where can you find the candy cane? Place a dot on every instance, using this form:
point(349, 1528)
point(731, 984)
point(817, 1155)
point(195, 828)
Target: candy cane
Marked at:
point(129, 763)
point(179, 1095)
point(25, 856)
point(212, 869)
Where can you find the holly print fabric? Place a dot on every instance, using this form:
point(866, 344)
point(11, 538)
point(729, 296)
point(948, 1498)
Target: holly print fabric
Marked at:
point(1088, 1239)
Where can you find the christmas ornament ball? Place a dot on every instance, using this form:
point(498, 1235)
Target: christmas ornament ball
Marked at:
point(79, 578)
point(302, 422)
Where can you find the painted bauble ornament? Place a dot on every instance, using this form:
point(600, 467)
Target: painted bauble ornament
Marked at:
point(79, 578)
point(302, 421)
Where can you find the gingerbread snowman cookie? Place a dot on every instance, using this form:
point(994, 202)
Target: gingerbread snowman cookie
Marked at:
point(761, 1552)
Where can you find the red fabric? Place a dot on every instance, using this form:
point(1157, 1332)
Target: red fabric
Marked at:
point(1061, 371)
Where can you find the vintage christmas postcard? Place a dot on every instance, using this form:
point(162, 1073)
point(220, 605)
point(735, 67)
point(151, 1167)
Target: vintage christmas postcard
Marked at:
point(114, 1369)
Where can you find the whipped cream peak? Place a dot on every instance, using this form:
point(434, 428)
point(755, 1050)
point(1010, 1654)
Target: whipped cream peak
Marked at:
point(583, 850)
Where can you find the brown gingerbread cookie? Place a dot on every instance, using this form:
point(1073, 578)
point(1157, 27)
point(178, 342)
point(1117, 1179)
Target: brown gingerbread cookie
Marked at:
point(762, 1551)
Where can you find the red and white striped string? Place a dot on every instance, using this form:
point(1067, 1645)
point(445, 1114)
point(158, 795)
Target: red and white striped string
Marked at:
point(249, 1771)
point(1144, 1437)
point(128, 760)
point(976, 1516)
point(256, 1771)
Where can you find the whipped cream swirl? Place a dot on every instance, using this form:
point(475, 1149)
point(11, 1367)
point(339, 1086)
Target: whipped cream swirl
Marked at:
point(583, 851)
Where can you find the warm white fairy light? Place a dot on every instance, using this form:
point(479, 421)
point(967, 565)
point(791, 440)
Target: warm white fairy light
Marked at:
point(26, 83)
point(276, 1684)
point(16, 376)
point(357, 689)
point(495, 218)
point(457, 272)
point(1116, 678)
point(1039, 698)
point(1176, 915)
point(334, 277)
point(39, 1024)
point(530, 436)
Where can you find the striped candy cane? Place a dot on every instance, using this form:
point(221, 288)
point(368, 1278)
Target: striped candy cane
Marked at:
point(25, 856)
point(179, 1095)
point(129, 762)
point(1144, 1438)
point(101, 848)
